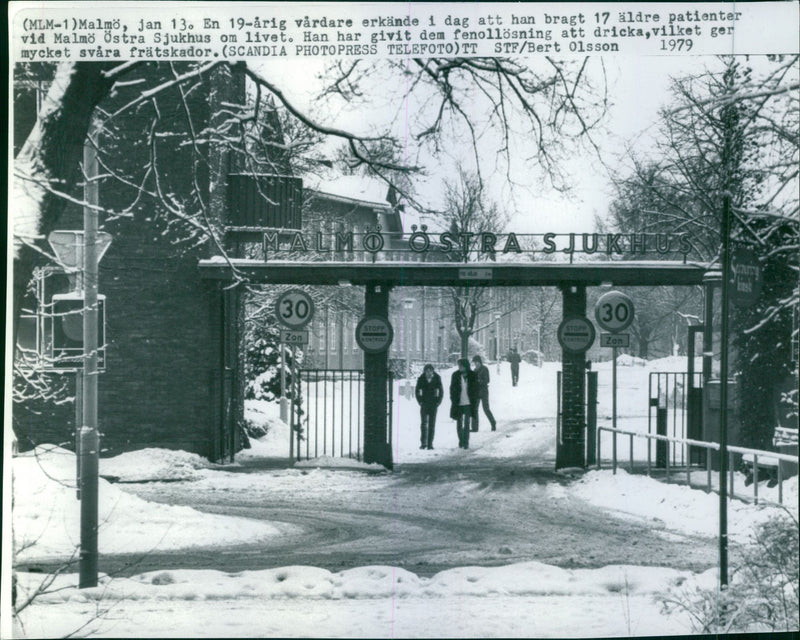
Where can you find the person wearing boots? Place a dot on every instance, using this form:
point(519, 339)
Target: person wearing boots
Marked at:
point(463, 400)
point(482, 375)
point(514, 359)
point(429, 394)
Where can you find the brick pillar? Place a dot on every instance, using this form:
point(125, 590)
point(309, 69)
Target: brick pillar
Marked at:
point(377, 447)
point(571, 449)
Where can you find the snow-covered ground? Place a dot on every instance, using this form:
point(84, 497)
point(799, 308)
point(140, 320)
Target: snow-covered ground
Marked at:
point(520, 599)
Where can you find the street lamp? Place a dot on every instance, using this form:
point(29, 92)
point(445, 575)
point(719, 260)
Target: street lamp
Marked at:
point(408, 307)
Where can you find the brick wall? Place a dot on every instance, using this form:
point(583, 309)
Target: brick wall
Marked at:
point(163, 323)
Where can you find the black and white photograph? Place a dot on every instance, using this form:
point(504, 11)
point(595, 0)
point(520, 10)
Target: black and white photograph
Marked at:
point(417, 320)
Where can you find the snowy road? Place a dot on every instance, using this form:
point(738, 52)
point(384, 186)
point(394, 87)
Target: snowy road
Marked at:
point(486, 542)
point(444, 509)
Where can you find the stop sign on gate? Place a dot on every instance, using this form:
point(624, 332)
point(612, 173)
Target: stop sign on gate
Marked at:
point(575, 334)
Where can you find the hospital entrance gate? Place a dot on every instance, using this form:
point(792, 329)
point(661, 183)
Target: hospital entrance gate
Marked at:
point(378, 280)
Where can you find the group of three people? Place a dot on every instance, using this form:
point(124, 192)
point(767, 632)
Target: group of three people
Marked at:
point(468, 389)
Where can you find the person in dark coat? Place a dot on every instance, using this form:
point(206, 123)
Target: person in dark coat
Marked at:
point(482, 374)
point(514, 359)
point(463, 400)
point(429, 394)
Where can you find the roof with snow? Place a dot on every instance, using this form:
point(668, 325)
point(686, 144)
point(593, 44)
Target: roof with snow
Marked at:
point(360, 189)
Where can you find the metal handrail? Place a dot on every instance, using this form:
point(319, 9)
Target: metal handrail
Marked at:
point(688, 442)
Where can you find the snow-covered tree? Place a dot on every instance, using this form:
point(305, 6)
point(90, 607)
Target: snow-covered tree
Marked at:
point(732, 132)
point(550, 105)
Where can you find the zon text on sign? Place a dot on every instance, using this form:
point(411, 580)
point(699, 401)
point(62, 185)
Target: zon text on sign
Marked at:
point(615, 340)
point(294, 338)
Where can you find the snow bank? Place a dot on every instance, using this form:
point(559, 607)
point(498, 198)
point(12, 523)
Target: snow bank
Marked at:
point(154, 464)
point(276, 443)
point(327, 462)
point(46, 514)
point(366, 583)
point(524, 600)
point(674, 506)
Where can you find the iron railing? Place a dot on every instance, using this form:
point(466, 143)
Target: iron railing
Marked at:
point(708, 446)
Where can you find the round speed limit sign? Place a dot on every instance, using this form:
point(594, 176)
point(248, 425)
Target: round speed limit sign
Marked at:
point(294, 309)
point(614, 311)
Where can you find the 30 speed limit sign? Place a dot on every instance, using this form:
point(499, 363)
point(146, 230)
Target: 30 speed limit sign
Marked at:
point(614, 311)
point(294, 309)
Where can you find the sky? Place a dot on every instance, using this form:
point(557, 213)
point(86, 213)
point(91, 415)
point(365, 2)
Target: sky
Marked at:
point(637, 86)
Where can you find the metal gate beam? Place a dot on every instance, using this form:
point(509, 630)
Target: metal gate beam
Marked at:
point(448, 274)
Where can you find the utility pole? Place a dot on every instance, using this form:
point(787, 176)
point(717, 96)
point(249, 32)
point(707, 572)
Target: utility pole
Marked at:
point(723, 393)
point(89, 435)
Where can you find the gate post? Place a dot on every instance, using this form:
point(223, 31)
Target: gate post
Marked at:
point(571, 447)
point(377, 447)
point(591, 417)
point(694, 401)
point(662, 446)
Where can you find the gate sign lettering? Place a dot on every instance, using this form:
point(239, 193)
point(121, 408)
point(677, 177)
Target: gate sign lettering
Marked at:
point(745, 278)
point(614, 311)
point(294, 309)
point(615, 340)
point(576, 334)
point(374, 334)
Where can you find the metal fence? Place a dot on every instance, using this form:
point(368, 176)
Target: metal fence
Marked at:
point(330, 422)
point(686, 445)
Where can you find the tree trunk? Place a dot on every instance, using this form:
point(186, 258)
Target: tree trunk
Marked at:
point(464, 344)
point(643, 347)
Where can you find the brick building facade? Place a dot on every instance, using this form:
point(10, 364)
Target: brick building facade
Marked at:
point(162, 376)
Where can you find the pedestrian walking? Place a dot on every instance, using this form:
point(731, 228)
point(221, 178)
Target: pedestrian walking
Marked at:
point(482, 374)
point(429, 394)
point(514, 359)
point(463, 400)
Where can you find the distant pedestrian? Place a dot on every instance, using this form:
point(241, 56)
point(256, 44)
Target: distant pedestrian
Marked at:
point(482, 374)
point(429, 394)
point(514, 359)
point(463, 400)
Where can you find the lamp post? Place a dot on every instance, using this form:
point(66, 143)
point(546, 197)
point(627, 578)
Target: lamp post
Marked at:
point(408, 307)
point(89, 435)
